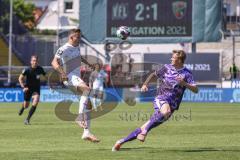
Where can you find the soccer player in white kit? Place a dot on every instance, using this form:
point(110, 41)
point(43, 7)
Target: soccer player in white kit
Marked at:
point(67, 61)
point(96, 83)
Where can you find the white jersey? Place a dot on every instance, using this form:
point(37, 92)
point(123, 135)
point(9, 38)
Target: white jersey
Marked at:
point(98, 78)
point(70, 58)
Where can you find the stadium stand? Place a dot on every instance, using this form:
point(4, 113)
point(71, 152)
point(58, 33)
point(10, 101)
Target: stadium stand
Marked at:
point(4, 54)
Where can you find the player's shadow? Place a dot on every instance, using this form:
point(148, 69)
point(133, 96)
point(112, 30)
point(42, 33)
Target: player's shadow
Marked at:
point(194, 150)
point(129, 149)
point(207, 150)
point(139, 148)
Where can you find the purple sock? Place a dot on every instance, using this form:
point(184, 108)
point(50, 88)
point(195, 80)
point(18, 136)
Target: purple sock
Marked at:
point(156, 119)
point(131, 136)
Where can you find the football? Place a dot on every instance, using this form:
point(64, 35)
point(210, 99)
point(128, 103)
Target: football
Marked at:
point(123, 32)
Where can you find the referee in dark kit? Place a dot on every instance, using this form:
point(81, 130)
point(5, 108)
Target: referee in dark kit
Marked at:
point(31, 87)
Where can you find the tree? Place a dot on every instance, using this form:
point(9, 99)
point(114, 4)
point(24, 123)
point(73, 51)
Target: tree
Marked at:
point(24, 11)
point(4, 15)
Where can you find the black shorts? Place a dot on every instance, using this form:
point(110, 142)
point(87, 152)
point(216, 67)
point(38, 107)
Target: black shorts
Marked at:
point(29, 93)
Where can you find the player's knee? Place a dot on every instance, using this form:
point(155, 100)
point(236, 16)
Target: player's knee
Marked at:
point(85, 88)
point(166, 114)
point(166, 111)
point(35, 103)
point(36, 99)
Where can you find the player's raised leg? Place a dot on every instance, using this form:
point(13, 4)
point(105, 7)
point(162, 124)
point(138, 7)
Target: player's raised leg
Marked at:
point(158, 117)
point(84, 119)
point(133, 135)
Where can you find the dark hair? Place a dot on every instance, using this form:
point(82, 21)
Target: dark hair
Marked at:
point(181, 54)
point(72, 31)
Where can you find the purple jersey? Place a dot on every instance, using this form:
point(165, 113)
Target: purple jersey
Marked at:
point(169, 89)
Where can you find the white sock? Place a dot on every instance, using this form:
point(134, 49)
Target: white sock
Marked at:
point(86, 131)
point(85, 113)
point(94, 104)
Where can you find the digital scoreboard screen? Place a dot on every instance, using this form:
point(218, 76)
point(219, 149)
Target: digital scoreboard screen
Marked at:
point(150, 18)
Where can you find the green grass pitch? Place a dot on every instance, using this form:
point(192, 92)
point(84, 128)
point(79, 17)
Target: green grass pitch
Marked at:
point(198, 131)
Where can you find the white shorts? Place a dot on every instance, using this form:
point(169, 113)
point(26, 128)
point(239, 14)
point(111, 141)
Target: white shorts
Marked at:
point(157, 104)
point(74, 80)
point(99, 88)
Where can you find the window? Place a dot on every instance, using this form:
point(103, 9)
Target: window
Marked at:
point(68, 6)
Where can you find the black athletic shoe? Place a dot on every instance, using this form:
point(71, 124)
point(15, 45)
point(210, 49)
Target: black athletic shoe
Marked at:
point(21, 111)
point(26, 122)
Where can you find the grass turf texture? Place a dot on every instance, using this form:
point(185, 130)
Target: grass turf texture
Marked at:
point(198, 131)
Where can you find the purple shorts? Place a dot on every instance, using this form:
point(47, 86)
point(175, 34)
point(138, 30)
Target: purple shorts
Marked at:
point(158, 103)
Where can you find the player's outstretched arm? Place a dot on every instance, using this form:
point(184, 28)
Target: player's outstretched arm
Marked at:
point(145, 84)
point(191, 87)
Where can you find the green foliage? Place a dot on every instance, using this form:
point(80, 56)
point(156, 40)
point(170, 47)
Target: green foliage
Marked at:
point(21, 9)
point(43, 32)
point(4, 14)
point(24, 10)
point(74, 20)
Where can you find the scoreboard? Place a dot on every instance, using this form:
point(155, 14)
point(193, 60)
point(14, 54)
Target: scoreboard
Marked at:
point(152, 21)
point(150, 18)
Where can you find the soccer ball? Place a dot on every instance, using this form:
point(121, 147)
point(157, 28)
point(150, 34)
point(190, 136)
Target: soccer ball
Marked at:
point(123, 32)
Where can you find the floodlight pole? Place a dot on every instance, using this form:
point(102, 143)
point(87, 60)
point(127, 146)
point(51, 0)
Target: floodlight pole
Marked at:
point(58, 23)
point(10, 43)
point(233, 41)
point(233, 59)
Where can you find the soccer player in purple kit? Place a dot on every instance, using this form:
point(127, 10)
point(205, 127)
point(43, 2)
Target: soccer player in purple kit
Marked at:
point(175, 79)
